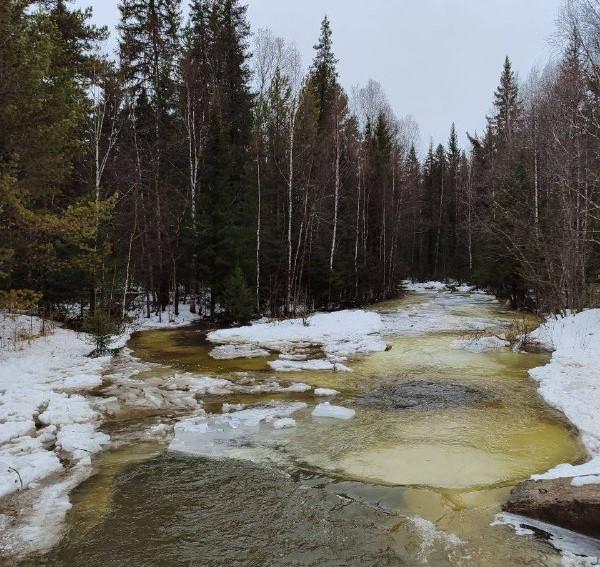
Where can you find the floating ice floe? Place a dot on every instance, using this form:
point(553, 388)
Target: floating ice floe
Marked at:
point(325, 392)
point(283, 423)
point(230, 352)
point(336, 412)
point(310, 365)
point(223, 435)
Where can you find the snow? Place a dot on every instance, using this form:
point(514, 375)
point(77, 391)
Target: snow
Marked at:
point(227, 434)
point(571, 471)
point(438, 309)
point(229, 352)
point(283, 365)
point(585, 480)
point(338, 335)
point(420, 287)
point(335, 412)
point(14, 429)
point(81, 440)
point(571, 380)
point(571, 383)
point(424, 286)
point(283, 423)
point(82, 382)
point(577, 550)
point(325, 392)
point(45, 380)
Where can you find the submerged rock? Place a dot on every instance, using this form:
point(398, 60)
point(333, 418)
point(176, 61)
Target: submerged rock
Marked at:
point(558, 502)
point(424, 394)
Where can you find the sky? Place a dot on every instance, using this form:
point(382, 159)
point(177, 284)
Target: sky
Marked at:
point(438, 60)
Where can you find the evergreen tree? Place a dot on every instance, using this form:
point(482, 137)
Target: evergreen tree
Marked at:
point(324, 73)
point(227, 203)
point(507, 104)
point(149, 46)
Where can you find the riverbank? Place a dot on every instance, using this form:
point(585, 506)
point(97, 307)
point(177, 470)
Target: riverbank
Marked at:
point(203, 408)
point(567, 495)
point(50, 420)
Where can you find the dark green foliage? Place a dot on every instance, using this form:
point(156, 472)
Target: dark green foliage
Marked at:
point(238, 301)
point(145, 177)
point(102, 328)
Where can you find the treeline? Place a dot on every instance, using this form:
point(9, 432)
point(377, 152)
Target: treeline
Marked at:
point(206, 162)
point(520, 214)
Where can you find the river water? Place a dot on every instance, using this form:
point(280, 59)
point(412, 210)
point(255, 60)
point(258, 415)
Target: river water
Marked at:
point(395, 485)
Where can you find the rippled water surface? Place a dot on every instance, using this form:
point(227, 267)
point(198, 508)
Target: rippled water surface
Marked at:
point(412, 486)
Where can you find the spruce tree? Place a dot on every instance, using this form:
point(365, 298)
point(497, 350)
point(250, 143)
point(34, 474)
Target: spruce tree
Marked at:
point(323, 72)
point(227, 202)
point(507, 104)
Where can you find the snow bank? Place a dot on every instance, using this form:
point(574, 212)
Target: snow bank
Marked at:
point(339, 335)
point(335, 412)
point(571, 381)
point(49, 424)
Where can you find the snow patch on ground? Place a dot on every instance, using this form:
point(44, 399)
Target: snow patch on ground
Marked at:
point(49, 422)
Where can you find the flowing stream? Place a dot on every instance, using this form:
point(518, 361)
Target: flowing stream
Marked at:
point(396, 485)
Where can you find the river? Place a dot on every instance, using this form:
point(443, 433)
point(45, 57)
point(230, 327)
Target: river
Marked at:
point(396, 485)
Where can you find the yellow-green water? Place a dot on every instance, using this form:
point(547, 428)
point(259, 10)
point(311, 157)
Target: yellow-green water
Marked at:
point(372, 480)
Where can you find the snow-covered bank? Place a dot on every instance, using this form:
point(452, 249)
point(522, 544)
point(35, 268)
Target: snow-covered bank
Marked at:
point(338, 335)
point(571, 380)
point(49, 426)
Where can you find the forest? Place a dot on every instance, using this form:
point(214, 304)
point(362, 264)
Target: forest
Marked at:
point(203, 162)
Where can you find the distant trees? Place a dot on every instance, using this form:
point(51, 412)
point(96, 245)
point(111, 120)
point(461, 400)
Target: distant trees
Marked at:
point(200, 165)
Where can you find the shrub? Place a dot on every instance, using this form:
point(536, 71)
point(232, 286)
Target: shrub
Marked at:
point(237, 298)
point(103, 329)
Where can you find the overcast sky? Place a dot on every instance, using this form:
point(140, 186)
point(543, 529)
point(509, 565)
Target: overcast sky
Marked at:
point(438, 60)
